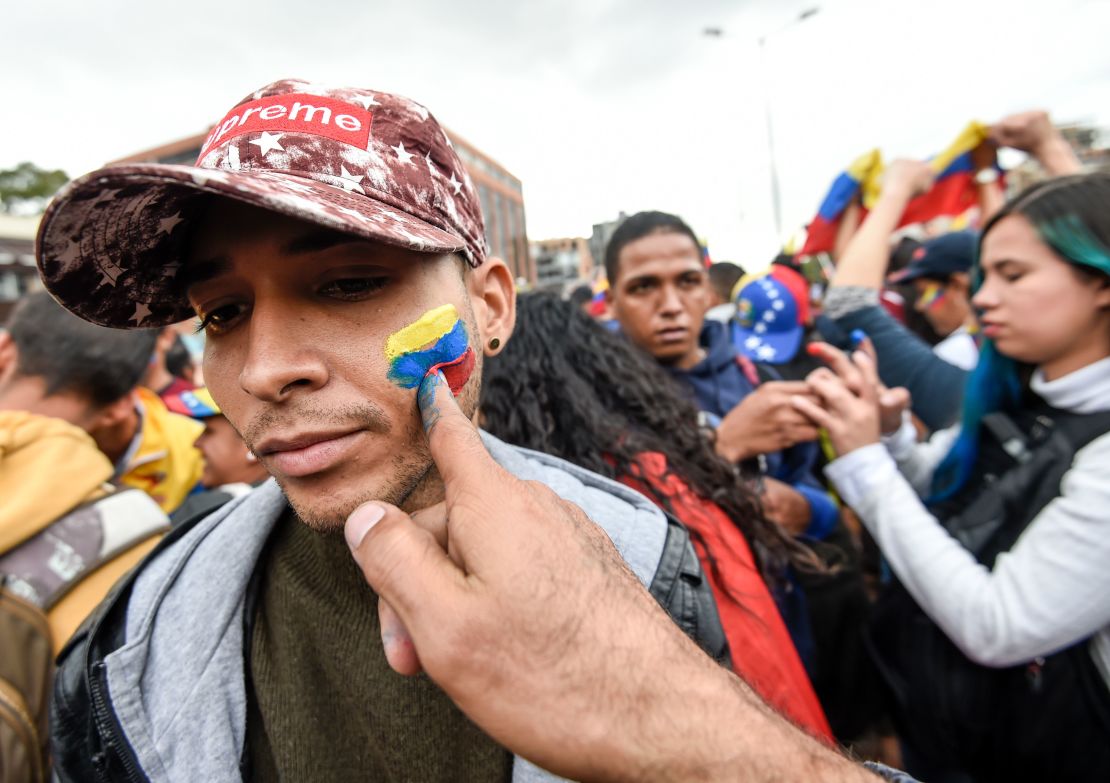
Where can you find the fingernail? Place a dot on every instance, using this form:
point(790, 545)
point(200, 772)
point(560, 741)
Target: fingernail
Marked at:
point(360, 521)
point(813, 349)
point(426, 399)
point(858, 336)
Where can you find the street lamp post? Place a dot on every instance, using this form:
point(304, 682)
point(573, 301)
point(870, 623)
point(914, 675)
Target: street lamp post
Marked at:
point(776, 199)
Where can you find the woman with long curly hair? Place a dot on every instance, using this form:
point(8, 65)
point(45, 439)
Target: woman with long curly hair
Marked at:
point(566, 386)
point(1002, 669)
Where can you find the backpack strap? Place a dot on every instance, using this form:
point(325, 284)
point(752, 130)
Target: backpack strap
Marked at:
point(47, 566)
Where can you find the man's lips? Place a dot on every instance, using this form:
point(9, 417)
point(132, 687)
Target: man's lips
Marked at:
point(991, 330)
point(306, 453)
point(672, 334)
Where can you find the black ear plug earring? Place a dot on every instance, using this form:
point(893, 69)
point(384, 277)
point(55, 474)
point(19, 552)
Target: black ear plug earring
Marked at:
point(494, 344)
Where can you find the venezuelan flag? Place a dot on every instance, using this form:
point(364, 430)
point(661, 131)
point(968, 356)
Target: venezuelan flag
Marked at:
point(435, 341)
point(953, 194)
point(849, 186)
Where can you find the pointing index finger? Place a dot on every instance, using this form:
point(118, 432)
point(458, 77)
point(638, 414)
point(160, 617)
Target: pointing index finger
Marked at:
point(453, 440)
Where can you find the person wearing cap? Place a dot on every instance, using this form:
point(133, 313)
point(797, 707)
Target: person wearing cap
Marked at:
point(230, 468)
point(331, 244)
point(66, 526)
point(939, 272)
point(772, 324)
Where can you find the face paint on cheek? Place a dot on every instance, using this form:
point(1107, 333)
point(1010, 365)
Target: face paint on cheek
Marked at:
point(931, 296)
point(436, 341)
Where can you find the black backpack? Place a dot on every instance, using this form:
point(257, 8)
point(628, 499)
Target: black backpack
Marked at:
point(1048, 719)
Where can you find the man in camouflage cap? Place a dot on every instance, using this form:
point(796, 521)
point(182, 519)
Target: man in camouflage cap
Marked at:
point(331, 244)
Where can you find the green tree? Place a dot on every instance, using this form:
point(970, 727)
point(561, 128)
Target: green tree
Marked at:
point(28, 187)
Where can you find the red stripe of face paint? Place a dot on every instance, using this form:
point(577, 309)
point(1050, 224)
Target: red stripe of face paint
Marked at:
point(457, 372)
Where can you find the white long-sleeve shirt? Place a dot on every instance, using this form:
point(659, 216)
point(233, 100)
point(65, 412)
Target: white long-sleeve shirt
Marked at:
point(1050, 590)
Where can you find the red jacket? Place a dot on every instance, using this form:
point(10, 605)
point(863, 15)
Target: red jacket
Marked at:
point(762, 651)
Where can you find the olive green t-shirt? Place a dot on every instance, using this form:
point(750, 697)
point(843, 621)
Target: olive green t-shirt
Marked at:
point(326, 704)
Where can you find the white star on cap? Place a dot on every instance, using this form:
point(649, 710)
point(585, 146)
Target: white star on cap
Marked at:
point(203, 176)
point(760, 328)
point(349, 181)
point(141, 313)
point(167, 225)
point(268, 142)
point(105, 196)
point(108, 276)
point(752, 343)
point(351, 212)
point(69, 256)
point(772, 293)
point(766, 352)
point(404, 157)
point(367, 101)
point(777, 304)
point(455, 183)
point(769, 316)
point(431, 166)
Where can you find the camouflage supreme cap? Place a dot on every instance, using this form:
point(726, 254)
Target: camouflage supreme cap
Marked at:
point(111, 243)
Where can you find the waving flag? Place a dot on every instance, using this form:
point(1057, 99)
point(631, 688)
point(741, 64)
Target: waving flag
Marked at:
point(863, 174)
point(952, 196)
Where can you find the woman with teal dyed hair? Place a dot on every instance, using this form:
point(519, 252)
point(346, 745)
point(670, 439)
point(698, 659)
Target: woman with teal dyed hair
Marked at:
point(995, 640)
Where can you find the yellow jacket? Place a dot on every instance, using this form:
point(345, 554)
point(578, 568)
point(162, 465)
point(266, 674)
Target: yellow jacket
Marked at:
point(166, 465)
point(48, 467)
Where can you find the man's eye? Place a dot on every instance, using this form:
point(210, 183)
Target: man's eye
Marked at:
point(353, 287)
point(219, 319)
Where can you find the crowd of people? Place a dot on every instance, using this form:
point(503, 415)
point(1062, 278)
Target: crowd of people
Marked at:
point(406, 523)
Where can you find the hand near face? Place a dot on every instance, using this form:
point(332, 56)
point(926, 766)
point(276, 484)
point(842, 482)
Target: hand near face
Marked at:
point(765, 421)
point(504, 560)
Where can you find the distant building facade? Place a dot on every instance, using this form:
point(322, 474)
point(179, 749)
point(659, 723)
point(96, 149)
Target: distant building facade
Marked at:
point(501, 195)
point(601, 235)
point(18, 273)
point(559, 262)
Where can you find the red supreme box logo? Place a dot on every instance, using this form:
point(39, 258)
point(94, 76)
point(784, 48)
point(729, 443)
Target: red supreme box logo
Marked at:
point(294, 113)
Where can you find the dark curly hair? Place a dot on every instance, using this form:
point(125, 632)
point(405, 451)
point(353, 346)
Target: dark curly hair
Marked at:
point(564, 385)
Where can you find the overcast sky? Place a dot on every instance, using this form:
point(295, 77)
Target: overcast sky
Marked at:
point(597, 105)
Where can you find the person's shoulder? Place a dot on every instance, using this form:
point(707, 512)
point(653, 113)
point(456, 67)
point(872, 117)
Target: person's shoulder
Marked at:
point(569, 481)
point(636, 525)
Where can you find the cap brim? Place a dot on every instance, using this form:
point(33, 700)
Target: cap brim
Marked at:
point(111, 244)
point(773, 347)
point(904, 275)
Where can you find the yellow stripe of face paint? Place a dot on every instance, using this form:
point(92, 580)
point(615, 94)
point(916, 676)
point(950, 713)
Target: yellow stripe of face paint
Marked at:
point(426, 329)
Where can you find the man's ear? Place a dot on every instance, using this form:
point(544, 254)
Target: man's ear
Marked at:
point(9, 357)
point(493, 296)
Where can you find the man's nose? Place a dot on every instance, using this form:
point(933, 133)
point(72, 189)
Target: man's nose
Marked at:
point(671, 303)
point(280, 359)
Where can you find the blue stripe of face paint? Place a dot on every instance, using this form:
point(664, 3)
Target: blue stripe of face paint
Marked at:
point(408, 370)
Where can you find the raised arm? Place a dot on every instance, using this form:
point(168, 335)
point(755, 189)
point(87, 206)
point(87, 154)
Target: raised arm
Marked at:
point(1032, 132)
point(865, 258)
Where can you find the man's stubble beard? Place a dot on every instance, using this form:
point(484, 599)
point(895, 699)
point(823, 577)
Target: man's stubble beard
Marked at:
point(414, 482)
